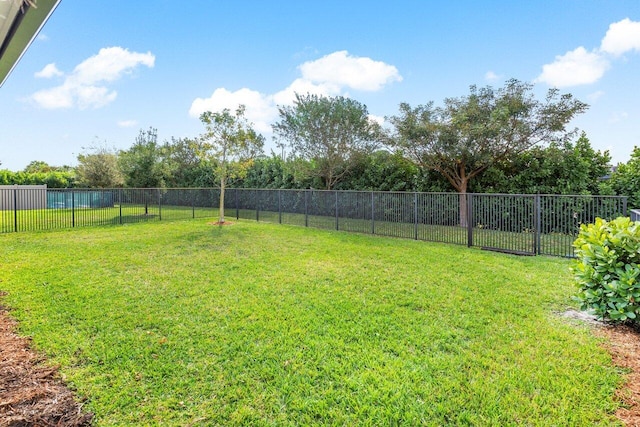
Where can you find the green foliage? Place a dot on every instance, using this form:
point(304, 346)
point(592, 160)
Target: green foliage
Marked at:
point(330, 132)
point(381, 171)
point(98, 168)
point(142, 165)
point(185, 165)
point(561, 168)
point(625, 180)
point(607, 269)
point(52, 178)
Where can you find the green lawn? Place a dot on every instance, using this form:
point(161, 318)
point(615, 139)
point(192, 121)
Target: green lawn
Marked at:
point(185, 324)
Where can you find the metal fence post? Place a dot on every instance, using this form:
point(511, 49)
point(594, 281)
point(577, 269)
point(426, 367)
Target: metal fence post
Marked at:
point(469, 197)
point(73, 209)
point(306, 209)
point(336, 205)
point(624, 206)
point(415, 215)
point(537, 225)
point(159, 205)
point(373, 213)
point(119, 205)
point(237, 204)
point(15, 209)
point(279, 206)
point(257, 206)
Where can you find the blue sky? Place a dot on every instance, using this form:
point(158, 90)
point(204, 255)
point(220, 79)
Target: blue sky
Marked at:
point(102, 70)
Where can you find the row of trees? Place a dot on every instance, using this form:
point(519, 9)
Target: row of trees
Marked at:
point(491, 140)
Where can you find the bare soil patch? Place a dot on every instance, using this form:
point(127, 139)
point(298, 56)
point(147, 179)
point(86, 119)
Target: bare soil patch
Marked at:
point(31, 392)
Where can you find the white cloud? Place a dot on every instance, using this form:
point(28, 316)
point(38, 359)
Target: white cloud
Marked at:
point(344, 70)
point(579, 67)
point(303, 86)
point(110, 64)
point(85, 86)
point(576, 67)
point(330, 75)
point(54, 98)
point(260, 109)
point(42, 37)
point(127, 123)
point(618, 117)
point(491, 76)
point(49, 70)
point(622, 36)
point(593, 97)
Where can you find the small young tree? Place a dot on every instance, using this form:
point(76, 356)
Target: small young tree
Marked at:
point(230, 143)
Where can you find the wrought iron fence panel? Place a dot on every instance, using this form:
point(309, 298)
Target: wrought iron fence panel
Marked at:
point(246, 204)
point(354, 211)
point(394, 214)
point(321, 209)
point(293, 208)
point(525, 224)
point(439, 218)
point(504, 222)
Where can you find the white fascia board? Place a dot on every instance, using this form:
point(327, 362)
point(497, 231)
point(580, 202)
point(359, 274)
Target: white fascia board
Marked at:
point(21, 32)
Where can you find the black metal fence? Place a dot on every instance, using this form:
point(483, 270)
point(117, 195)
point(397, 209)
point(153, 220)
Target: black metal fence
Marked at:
point(521, 224)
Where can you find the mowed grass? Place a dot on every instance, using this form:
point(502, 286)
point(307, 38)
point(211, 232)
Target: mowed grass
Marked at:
point(186, 324)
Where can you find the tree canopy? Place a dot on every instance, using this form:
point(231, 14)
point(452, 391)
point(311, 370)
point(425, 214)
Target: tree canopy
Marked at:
point(142, 165)
point(468, 134)
point(329, 132)
point(98, 167)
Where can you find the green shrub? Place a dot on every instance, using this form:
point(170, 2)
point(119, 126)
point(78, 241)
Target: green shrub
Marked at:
point(607, 269)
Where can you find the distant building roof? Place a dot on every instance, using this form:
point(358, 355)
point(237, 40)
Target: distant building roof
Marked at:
point(20, 22)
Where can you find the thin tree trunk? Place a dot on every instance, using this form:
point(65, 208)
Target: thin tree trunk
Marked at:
point(221, 210)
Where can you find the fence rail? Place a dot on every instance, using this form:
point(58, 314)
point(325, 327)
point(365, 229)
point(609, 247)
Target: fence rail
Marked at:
point(521, 224)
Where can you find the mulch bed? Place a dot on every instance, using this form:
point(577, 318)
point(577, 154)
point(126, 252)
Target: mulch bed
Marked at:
point(31, 392)
point(623, 342)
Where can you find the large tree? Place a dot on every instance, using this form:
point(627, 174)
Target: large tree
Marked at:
point(230, 143)
point(467, 135)
point(98, 167)
point(142, 165)
point(329, 132)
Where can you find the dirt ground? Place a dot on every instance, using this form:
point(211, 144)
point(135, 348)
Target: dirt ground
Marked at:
point(33, 394)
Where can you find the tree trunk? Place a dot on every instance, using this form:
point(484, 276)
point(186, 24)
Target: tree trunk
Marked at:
point(221, 210)
point(462, 190)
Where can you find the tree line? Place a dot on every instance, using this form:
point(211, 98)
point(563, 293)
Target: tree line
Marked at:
point(502, 140)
